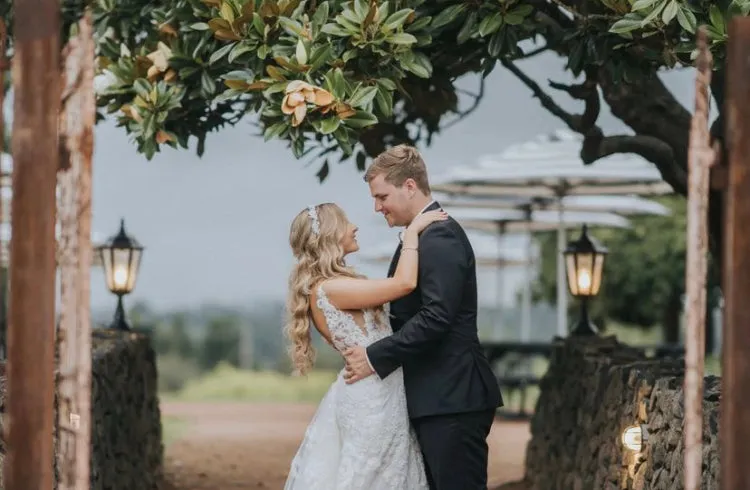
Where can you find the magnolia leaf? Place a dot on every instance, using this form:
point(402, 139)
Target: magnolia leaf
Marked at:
point(329, 125)
point(642, 5)
point(361, 119)
point(220, 53)
point(301, 52)
point(625, 25)
point(397, 19)
point(490, 24)
point(670, 11)
point(335, 30)
point(401, 38)
point(363, 96)
point(448, 15)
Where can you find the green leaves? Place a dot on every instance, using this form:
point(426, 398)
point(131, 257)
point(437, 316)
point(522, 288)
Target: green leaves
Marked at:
point(628, 23)
point(490, 24)
point(448, 15)
point(416, 63)
point(363, 96)
point(361, 120)
point(396, 20)
point(357, 59)
point(687, 20)
point(401, 38)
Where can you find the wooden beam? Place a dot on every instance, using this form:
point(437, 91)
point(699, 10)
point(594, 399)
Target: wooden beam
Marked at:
point(4, 206)
point(700, 159)
point(31, 332)
point(74, 258)
point(735, 397)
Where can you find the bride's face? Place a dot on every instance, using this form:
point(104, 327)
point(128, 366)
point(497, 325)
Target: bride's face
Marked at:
point(349, 241)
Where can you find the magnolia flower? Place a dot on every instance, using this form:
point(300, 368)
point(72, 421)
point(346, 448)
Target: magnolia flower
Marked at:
point(160, 60)
point(298, 95)
point(131, 112)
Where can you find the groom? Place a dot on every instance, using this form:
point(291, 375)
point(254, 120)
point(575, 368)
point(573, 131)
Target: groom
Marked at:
point(451, 391)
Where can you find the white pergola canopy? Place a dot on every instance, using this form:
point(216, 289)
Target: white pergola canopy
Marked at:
point(548, 173)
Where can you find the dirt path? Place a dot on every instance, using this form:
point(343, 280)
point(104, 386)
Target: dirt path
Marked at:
point(249, 446)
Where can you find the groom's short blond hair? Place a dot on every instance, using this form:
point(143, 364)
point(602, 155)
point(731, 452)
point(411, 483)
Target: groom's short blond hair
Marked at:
point(399, 163)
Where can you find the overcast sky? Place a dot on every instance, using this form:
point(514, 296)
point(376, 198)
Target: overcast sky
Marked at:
point(215, 228)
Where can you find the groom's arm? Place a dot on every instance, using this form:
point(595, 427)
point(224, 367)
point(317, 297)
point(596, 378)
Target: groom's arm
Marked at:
point(443, 267)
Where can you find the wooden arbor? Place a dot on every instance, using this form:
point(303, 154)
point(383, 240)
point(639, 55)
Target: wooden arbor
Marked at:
point(42, 96)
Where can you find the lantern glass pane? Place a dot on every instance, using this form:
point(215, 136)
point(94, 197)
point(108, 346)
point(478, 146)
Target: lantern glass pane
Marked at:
point(135, 262)
point(597, 276)
point(106, 256)
point(584, 273)
point(570, 262)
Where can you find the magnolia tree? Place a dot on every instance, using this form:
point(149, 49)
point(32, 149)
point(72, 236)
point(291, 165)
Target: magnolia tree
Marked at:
point(349, 78)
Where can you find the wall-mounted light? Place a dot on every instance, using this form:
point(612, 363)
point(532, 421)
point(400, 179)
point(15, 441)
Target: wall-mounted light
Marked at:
point(634, 437)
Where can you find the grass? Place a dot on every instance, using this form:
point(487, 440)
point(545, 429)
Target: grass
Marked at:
point(172, 429)
point(226, 383)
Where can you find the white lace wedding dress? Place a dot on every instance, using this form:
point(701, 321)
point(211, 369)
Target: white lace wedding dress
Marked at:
point(360, 437)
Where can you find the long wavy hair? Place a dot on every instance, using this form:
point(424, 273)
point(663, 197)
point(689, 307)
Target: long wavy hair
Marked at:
point(320, 256)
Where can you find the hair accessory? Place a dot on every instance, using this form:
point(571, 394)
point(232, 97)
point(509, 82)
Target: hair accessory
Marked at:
point(312, 212)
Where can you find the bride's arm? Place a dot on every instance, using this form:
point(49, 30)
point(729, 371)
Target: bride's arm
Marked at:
point(347, 293)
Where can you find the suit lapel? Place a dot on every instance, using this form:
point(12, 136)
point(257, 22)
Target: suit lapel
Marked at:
point(394, 261)
point(432, 207)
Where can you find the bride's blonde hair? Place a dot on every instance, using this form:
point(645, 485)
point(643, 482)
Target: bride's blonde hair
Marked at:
point(315, 237)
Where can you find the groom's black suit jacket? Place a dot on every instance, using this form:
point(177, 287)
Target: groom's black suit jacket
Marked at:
point(435, 330)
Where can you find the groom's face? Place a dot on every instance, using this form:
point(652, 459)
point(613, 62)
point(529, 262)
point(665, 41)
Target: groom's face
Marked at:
point(391, 201)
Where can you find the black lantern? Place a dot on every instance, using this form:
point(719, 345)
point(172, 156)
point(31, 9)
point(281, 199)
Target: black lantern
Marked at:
point(584, 260)
point(120, 256)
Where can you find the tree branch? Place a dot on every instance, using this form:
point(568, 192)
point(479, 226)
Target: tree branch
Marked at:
point(595, 144)
point(571, 120)
point(586, 91)
point(462, 114)
point(650, 148)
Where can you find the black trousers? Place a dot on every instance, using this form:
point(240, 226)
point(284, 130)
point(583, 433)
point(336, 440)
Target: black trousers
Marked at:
point(454, 447)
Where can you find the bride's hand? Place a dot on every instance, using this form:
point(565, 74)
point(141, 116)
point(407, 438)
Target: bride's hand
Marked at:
point(421, 221)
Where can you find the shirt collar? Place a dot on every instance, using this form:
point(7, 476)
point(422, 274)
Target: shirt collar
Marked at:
point(428, 205)
point(401, 233)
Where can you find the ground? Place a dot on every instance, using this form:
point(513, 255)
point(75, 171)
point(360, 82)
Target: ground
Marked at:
point(241, 446)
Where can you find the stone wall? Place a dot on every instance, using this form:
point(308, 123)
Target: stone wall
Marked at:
point(594, 389)
point(126, 452)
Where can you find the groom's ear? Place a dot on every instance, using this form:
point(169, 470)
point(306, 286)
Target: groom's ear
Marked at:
point(410, 184)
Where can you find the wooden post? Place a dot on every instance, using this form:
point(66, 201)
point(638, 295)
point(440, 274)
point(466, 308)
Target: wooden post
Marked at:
point(31, 334)
point(735, 397)
point(74, 259)
point(701, 157)
point(4, 260)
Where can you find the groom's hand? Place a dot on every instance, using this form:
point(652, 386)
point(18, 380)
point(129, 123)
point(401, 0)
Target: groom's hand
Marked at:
point(357, 367)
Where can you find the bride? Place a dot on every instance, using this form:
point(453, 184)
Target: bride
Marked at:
point(360, 437)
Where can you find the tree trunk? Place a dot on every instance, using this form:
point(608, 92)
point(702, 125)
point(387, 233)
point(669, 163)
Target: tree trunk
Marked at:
point(649, 108)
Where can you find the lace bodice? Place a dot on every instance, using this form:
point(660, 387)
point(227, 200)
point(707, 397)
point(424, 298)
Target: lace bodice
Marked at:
point(345, 332)
point(360, 437)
